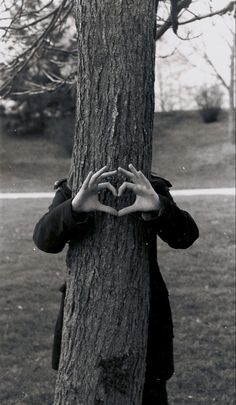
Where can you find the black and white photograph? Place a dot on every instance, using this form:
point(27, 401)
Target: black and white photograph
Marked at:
point(117, 202)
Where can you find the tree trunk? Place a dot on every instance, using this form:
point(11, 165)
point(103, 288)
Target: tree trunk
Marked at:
point(231, 119)
point(107, 301)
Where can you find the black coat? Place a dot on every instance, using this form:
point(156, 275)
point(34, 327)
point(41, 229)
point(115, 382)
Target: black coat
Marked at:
point(173, 225)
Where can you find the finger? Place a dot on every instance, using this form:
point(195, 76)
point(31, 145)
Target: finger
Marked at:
point(109, 186)
point(144, 178)
point(97, 174)
point(127, 210)
point(87, 179)
point(107, 209)
point(133, 170)
point(125, 186)
point(126, 172)
point(106, 174)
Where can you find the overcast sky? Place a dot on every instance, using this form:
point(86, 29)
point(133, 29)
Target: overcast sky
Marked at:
point(189, 71)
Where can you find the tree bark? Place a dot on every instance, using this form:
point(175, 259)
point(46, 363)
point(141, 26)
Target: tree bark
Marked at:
point(107, 301)
point(231, 119)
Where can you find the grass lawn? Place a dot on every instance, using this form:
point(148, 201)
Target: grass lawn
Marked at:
point(192, 154)
point(186, 151)
point(200, 281)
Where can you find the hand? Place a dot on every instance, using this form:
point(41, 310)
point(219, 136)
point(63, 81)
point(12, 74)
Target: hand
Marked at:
point(146, 197)
point(86, 199)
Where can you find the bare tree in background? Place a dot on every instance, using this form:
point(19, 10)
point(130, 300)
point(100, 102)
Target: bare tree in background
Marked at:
point(229, 86)
point(184, 60)
point(171, 94)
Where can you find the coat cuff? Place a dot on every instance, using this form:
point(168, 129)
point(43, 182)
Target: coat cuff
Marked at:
point(71, 218)
point(154, 215)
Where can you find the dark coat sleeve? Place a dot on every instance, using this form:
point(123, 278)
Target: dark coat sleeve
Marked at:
point(172, 224)
point(56, 227)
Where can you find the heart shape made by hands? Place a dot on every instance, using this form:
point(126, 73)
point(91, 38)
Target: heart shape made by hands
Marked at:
point(140, 197)
point(124, 199)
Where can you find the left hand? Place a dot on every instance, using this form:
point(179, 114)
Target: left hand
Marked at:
point(146, 197)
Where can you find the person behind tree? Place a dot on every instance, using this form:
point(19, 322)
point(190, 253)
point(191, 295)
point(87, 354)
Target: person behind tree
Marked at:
point(155, 206)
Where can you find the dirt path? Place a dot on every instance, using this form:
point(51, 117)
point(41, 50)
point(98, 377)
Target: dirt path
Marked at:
point(184, 192)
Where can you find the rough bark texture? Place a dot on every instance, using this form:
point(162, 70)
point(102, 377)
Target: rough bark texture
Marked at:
point(231, 124)
point(107, 301)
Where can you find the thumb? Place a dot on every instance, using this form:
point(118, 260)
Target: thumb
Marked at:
point(127, 210)
point(107, 209)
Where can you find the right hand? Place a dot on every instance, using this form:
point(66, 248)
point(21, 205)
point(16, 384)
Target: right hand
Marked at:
point(86, 200)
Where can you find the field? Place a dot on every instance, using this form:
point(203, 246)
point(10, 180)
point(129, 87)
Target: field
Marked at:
point(187, 152)
point(200, 279)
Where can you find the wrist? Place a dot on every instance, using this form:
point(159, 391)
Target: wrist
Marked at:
point(75, 207)
point(153, 209)
point(155, 204)
point(78, 215)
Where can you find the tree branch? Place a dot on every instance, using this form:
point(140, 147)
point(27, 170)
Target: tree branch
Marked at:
point(229, 8)
point(185, 4)
point(31, 24)
point(216, 71)
point(35, 88)
point(168, 23)
point(174, 15)
point(17, 66)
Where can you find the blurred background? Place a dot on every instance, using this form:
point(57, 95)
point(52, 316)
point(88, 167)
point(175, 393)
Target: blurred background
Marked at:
point(193, 147)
